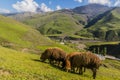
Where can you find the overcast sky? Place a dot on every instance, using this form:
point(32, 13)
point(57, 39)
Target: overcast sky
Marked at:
point(11, 6)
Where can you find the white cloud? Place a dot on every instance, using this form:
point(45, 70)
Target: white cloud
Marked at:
point(30, 6)
point(117, 3)
point(44, 8)
point(80, 1)
point(58, 7)
point(4, 10)
point(26, 6)
point(103, 2)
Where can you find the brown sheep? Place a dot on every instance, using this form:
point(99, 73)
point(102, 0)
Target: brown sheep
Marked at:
point(46, 55)
point(54, 54)
point(87, 60)
point(68, 66)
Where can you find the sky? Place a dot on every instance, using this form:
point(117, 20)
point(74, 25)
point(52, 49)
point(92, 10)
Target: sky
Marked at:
point(12, 6)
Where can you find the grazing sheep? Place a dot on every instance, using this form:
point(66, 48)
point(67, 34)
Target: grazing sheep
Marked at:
point(68, 66)
point(87, 60)
point(46, 54)
point(53, 54)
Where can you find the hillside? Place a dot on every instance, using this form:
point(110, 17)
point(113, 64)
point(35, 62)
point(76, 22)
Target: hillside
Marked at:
point(21, 66)
point(60, 23)
point(108, 27)
point(21, 37)
point(55, 23)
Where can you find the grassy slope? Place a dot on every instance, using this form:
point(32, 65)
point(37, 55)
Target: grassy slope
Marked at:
point(13, 31)
point(23, 66)
point(19, 36)
point(109, 22)
point(60, 21)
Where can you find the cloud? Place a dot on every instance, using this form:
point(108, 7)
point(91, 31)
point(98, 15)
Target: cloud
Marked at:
point(44, 8)
point(4, 10)
point(117, 3)
point(26, 6)
point(103, 2)
point(80, 1)
point(30, 6)
point(58, 7)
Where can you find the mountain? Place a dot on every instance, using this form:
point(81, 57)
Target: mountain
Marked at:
point(58, 22)
point(91, 10)
point(80, 22)
point(21, 37)
point(108, 27)
point(63, 22)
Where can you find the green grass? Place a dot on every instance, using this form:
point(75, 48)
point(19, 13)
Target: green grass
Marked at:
point(102, 43)
point(14, 32)
point(11, 31)
point(116, 13)
point(64, 47)
point(15, 65)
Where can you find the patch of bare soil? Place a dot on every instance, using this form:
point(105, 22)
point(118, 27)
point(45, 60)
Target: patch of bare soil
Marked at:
point(4, 72)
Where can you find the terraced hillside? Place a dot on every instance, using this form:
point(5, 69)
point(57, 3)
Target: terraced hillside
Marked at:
point(15, 65)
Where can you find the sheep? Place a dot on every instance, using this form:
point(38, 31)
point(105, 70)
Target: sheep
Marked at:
point(87, 60)
point(68, 66)
point(46, 55)
point(54, 54)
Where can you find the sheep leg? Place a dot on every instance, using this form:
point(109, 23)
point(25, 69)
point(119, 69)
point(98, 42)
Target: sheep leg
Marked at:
point(80, 71)
point(63, 64)
point(58, 63)
point(77, 68)
point(84, 69)
point(94, 72)
point(51, 61)
point(72, 69)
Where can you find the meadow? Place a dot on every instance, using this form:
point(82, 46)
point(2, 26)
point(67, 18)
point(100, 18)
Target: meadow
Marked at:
point(15, 65)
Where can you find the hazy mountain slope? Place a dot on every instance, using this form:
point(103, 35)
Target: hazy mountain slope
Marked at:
point(91, 10)
point(20, 16)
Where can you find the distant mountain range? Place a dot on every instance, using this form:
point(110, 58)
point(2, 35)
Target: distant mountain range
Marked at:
point(90, 21)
